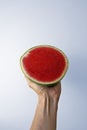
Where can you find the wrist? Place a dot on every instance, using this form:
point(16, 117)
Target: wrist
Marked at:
point(48, 102)
point(50, 96)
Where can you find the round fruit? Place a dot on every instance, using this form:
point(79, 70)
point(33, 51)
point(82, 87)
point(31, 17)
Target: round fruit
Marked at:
point(44, 64)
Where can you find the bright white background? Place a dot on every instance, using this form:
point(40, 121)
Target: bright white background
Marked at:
point(25, 23)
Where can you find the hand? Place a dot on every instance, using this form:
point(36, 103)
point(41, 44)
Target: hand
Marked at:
point(53, 92)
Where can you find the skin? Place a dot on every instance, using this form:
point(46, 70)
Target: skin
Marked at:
point(46, 112)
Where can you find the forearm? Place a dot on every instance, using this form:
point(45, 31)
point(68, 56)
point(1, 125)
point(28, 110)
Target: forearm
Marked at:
point(46, 113)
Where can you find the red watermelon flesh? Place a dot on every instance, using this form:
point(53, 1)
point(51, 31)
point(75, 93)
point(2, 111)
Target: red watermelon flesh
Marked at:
point(44, 64)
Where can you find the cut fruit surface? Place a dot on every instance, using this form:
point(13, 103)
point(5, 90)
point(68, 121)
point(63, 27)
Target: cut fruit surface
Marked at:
point(44, 64)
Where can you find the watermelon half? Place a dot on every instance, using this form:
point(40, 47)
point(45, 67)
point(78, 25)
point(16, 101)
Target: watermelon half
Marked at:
point(44, 64)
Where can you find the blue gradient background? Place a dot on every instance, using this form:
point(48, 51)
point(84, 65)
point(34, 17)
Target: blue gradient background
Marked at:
point(26, 23)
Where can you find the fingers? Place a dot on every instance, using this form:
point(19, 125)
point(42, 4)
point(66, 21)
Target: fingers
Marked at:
point(37, 88)
point(41, 89)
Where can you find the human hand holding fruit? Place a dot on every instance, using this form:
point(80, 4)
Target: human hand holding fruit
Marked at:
point(53, 92)
point(46, 112)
